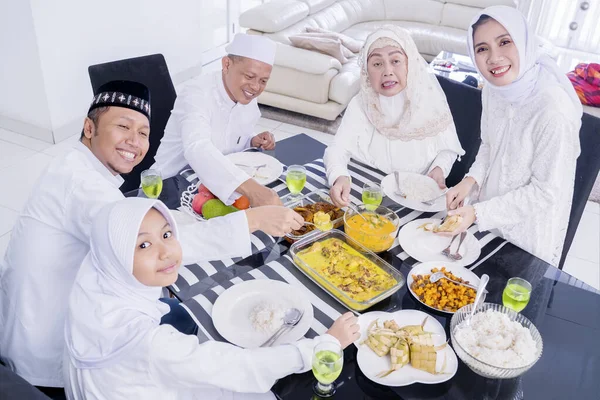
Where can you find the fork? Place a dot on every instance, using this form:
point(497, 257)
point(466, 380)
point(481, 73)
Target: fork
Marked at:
point(456, 256)
point(398, 191)
point(256, 167)
point(446, 251)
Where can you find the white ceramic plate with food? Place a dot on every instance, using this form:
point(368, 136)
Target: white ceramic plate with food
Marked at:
point(426, 246)
point(425, 269)
point(372, 365)
point(262, 167)
point(417, 188)
point(233, 310)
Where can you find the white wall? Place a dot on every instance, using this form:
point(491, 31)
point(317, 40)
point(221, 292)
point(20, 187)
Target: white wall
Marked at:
point(22, 95)
point(71, 35)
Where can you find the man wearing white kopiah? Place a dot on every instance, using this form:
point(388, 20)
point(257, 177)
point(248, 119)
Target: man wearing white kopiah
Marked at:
point(215, 116)
point(51, 236)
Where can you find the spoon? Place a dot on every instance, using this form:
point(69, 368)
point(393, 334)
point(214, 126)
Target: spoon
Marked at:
point(440, 275)
point(356, 211)
point(290, 319)
point(480, 289)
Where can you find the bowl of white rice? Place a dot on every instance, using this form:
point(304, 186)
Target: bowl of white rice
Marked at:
point(498, 343)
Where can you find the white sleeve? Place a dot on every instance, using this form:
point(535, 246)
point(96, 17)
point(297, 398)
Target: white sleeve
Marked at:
point(178, 360)
point(338, 155)
point(215, 171)
point(86, 199)
point(215, 239)
point(554, 160)
point(480, 166)
point(448, 150)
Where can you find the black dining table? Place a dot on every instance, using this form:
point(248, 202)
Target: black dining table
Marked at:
point(565, 310)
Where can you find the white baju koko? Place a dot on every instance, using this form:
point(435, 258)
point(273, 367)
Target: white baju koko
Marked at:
point(412, 131)
point(205, 125)
point(116, 349)
point(48, 243)
point(525, 167)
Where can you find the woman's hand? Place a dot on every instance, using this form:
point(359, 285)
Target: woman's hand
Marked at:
point(456, 195)
point(468, 218)
point(438, 176)
point(340, 191)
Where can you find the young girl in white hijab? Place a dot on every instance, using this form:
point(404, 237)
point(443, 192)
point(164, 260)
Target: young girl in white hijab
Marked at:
point(399, 121)
point(525, 167)
point(115, 347)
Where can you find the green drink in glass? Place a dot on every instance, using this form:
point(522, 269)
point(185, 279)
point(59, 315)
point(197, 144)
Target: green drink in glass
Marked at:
point(372, 195)
point(152, 183)
point(516, 294)
point(328, 360)
point(295, 179)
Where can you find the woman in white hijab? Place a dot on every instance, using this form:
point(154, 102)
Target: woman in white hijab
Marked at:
point(399, 121)
point(115, 347)
point(530, 122)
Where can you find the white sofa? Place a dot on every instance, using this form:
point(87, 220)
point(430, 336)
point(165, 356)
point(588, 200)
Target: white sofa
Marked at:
point(312, 83)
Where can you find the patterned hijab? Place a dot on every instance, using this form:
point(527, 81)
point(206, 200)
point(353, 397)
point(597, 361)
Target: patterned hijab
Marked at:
point(422, 106)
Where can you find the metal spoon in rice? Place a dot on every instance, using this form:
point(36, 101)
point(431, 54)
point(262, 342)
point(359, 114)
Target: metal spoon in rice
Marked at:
point(290, 319)
point(480, 289)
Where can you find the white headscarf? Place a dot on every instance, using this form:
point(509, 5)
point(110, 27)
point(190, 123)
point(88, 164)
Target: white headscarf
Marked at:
point(110, 311)
point(536, 69)
point(420, 110)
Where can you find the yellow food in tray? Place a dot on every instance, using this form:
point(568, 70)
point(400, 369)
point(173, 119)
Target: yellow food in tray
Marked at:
point(443, 295)
point(335, 263)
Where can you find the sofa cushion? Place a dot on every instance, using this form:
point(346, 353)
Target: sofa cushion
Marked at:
point(274, 16)
point(317, 5)
point(309, 87)
point(430, 39)
point(346, 13)
point(428, 11)
point(352, 44)
point(482, 3)
point(325, 45)
point(307, 61)
point(458, 16)
point(345, 84)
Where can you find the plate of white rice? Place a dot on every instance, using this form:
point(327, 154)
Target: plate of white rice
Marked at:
point(417, 188)
point(248, 313)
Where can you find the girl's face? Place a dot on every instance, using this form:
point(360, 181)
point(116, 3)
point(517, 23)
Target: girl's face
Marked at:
point(496, 55)
point(387, 69)
point(157, 255)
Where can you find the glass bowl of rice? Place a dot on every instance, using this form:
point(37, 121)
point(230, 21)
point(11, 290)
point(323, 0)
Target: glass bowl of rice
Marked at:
point(498, 343)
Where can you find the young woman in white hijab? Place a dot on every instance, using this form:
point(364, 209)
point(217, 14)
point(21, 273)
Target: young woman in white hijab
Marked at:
point(399, 121)
point(525, 168)
point(115, 347)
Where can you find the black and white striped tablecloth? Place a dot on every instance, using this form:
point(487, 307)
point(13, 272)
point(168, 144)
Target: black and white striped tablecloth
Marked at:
point(195, 278)
point(325, 308)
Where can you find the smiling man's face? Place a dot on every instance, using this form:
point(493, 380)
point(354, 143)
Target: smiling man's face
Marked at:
point(119, 138)
point(244, 78)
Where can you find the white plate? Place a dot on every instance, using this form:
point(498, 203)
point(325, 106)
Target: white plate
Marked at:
point(425, 269)
point(427, 246)
point(265, 175)
point(231, 311)
point(371, 364)
point(388, 184)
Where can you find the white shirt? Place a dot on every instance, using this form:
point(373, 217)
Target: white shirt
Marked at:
point(526, 169)
point(205, 125)
point(359, 139)
point(169, 365)
point(48, 243)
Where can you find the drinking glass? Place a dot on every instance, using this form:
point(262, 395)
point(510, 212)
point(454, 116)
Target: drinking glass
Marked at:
point(372, 195)
point(152, 183)
point(295, 179)
point(516, 294)
point(327, 363)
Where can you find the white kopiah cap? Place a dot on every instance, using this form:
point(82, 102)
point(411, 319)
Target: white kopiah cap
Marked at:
point(253, 46)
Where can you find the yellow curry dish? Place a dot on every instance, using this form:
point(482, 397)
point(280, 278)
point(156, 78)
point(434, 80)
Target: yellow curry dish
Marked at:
point(376, 233)
point(355, 278)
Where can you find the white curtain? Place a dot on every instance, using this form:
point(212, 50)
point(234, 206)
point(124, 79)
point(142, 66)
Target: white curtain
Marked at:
point(573, 26)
